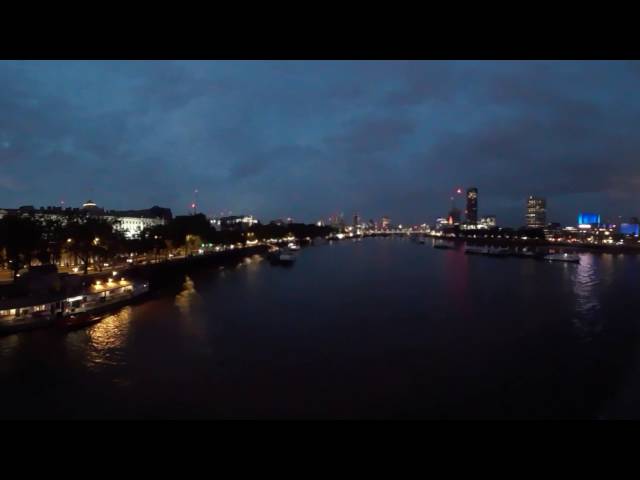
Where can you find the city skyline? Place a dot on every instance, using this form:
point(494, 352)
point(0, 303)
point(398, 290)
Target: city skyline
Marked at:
point(311, 138)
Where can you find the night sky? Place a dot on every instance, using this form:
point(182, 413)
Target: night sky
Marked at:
point(310, 139)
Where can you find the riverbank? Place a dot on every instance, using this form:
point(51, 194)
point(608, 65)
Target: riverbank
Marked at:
point(541, 243)
point(157, 274)
point(40, 307)
point(170, 272)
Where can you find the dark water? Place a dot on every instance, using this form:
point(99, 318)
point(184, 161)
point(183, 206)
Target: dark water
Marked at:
point(383, 328)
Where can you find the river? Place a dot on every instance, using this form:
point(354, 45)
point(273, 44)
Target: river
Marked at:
point(382, 328)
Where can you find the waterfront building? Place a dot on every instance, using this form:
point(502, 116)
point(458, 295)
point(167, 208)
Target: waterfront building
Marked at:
point(130, 222)
point(385, 222)
point(236, 222)
point(132, 227)
point(488, 221)
point(536, 216)
point(588, 220)
point(441, 222)
point(630, 229)
point(472, 205)
point(133, 222)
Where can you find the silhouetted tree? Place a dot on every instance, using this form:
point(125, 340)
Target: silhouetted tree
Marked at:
point(21, 238)
point(93, 238)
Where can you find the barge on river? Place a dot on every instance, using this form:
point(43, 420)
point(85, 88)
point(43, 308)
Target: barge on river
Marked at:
point(45, 308)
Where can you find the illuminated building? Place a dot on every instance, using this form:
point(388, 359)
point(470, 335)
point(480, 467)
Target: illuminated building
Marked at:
point(472, 205)
point(90, 206)
point(130, 222)
point(132, 227)
point(630, 229)
point(235, 222)
point(133, 222)
point(536, 212)
point(488, 221)
point(385, 223)
point(454, 216)
point(442, 222)
point(587, 220)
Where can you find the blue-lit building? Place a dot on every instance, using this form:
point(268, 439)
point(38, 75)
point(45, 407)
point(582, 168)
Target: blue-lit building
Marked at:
point(588, 219)
point(630, 229)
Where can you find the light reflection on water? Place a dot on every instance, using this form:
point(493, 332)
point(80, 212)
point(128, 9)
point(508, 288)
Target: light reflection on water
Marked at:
point(188, 298)
point(585, 280)
point(104, 343)
point(251, 261)
point(190, 303)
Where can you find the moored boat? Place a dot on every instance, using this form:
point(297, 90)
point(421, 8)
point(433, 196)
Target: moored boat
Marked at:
point(78, 320)
point(37, 311)
point(562, 257)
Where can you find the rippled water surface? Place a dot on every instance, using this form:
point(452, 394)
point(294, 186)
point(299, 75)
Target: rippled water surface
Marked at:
point(384, 328)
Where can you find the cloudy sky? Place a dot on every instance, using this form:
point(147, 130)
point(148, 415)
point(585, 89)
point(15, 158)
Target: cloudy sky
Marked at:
point(309, 139)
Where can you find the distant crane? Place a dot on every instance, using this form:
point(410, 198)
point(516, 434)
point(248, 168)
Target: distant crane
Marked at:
point(194, 204)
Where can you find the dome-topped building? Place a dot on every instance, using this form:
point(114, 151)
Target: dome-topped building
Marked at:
point(91, 207)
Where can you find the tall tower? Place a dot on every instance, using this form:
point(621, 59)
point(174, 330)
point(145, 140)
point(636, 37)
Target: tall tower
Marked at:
point(536, 212)
point(472, 205)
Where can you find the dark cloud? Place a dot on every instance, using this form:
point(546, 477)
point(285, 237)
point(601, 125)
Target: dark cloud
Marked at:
point(308, 139)
point(372, 135)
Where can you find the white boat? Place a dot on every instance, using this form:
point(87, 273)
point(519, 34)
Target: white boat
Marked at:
point(563, 257)
point(293, 246)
